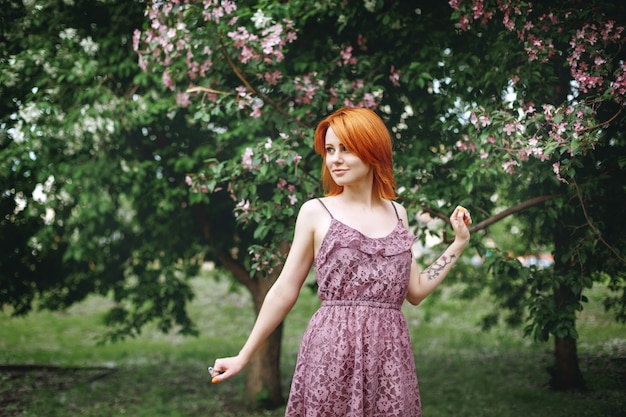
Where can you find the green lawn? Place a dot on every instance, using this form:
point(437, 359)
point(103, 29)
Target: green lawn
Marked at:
point(52, 365)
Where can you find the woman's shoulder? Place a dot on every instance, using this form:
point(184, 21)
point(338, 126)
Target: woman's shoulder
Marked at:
point(312, 207)
point(398, 206)
point(313, 215)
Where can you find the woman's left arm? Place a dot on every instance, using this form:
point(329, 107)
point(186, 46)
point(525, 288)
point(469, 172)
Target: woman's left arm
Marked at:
point(425, 282)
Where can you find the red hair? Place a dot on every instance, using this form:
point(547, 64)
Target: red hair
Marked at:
point(365, 134)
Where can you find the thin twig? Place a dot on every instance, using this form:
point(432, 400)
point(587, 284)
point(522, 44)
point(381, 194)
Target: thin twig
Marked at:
point(207, 90)
point(253, 90)
point(592, 226)
point(603, 123)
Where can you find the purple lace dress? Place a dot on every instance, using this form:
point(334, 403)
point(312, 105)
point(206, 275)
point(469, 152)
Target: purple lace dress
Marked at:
point(356, 358)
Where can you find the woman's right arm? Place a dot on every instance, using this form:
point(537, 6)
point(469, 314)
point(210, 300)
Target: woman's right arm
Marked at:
point(280, 298)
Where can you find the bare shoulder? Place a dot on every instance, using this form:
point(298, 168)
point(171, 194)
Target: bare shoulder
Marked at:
point(314, 220)
point(312, 212)
point(311, 208)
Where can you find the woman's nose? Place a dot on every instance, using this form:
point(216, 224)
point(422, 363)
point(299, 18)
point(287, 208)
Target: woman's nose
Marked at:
point(336, 156)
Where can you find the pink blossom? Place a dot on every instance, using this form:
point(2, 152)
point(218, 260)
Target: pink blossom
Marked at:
point(290, 37)
point(244, 205)
point(136, 38)
point(464, 23)
point(293, 199)
point(474, 119)
point(547, 110)
point(394, 77)
point(556, 167)
point(560, 128)
point(272, 39)
point(229, 6)
point(536, 151)
point(282, 183)
point(461, 146)
point(182, 99)
point(509, 128)
point(273, 77)
point(599, 61)
point(478, 8)
point(509, 166)
point(508, 23)
point(619, 85)
point(361, 41)
point(168, 81)
point(256, 109)
point(188, 180)
point(346, 56)
point(369, 101)
point(246, 159)
point(305, 85)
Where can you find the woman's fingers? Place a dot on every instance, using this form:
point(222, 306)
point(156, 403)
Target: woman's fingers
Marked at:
point(465, 215)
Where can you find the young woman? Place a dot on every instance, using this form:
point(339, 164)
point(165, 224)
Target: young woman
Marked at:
point(355, 357)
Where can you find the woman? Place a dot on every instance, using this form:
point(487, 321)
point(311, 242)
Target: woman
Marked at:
point(355, 357)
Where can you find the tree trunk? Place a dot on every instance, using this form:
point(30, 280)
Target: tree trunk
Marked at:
point(263, 388)
point(566, 373)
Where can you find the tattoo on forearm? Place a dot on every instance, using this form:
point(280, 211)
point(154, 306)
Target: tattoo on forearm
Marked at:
point(435, 269)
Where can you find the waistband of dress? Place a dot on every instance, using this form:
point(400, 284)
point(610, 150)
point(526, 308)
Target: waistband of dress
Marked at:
point(360, 303)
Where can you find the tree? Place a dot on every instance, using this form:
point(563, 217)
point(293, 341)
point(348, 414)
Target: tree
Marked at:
point(92, 169)
point(207, 154)
point(556, 98)
point(438, 93)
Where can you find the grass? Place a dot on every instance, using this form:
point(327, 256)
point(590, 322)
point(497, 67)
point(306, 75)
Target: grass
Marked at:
point(53, 367)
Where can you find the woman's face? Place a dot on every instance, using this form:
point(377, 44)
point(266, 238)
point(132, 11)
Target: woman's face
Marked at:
point(345, 167)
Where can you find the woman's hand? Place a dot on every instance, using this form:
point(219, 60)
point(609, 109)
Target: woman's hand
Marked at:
point(460, 221)
point(224, 368)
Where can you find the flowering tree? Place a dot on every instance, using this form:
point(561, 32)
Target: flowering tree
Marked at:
point(521, 114)
point(122, 172)
point(92, 169)
point(556, 100)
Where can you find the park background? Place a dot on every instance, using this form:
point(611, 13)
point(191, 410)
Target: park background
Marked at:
point(142, 141)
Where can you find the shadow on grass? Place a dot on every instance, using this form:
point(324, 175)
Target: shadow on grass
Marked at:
point(462, 387)
point(20, 381)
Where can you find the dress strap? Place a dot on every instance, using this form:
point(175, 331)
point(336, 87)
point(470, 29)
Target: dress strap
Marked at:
point(395, 209)
point(324, 205)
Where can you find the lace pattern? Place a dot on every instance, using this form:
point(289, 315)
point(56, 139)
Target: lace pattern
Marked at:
point(356, 358)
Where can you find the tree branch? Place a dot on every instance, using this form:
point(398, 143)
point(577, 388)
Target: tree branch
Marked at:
point(224, 257)
point(603, 123)
point(493, 219)
point(253, 90)
point(239, 272)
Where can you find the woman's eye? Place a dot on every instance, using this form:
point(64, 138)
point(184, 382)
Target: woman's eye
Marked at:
point(330, 150)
